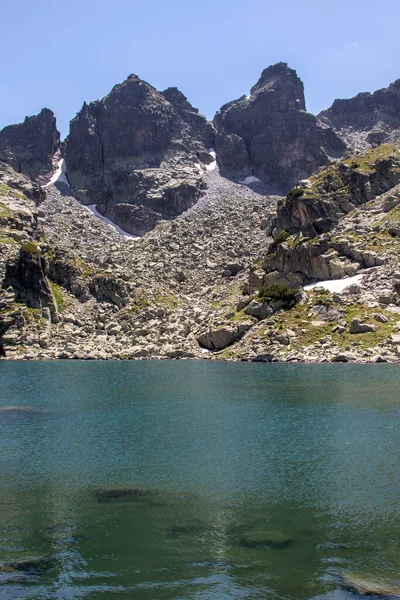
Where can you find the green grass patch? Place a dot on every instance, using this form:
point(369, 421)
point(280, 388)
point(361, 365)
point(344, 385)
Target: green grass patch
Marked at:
point(58, 296)
point(364, 162)
point(30, 248)
point(277, 292)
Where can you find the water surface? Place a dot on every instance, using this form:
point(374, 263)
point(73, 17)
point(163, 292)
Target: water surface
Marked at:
point(239, 480)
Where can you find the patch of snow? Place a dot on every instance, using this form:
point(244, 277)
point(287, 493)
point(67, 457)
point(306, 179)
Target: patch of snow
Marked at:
point(212, 166)
point(125, 234)
point(250, 179)
point(198, 166)
point(60, 176)
point(335, 285)
point(213, 153)
point(248, 97)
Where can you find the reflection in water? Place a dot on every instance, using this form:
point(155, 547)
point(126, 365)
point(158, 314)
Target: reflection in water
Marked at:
point(182, 480)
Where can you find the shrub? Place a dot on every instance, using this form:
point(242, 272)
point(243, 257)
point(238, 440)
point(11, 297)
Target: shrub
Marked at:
point(296, 192)
point(281, 237)
point(30, 248)
point(277, 292)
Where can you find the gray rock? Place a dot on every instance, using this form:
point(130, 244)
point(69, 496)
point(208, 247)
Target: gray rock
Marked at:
point(357, 326)
point(29, 147)
point(133, 154)
point(270, 133)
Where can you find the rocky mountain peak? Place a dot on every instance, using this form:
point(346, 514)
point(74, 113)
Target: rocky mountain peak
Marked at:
point(367, 119)
point(29, 147)
point(179, 100)
point(270, 135)
point(133, 154)
point(282, 82)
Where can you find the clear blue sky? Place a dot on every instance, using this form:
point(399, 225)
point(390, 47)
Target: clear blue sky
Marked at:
point(58, 54)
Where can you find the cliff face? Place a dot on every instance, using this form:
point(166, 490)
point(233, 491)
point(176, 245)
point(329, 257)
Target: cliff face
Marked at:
point(134, 152)
point(367, 119)
point(269, 133)
point(29, 147)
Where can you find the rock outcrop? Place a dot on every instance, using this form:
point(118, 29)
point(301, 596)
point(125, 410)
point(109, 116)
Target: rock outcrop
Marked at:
point(29, 147)
point(269, 133)
point(315, 205)
point(367, 119)
point(136, 154)
point(27, 277)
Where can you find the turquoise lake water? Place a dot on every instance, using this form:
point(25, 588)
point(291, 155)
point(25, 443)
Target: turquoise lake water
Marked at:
point(162, 480)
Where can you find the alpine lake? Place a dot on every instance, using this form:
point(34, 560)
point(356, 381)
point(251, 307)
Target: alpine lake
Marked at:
point(159, 480)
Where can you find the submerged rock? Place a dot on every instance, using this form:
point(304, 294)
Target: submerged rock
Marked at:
point(365, 587)
point(265, 539)
point(30, 566)
point(188, 529)
point(130, 494)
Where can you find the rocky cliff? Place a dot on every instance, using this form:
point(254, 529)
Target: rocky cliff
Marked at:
point(239, 275)
point(136, 154)
point(270, 134)
point(29, 147)
point(367, 119)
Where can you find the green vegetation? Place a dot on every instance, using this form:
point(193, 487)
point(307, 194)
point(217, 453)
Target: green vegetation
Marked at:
point(365, 162)
point(281, 237)
point(58, 296)
point(30, 248)
point(139, 302)
point(277, 292)
point(296, 192)
point(4, 211)
point(7, 240)
point(166, 298)
point(6, 190)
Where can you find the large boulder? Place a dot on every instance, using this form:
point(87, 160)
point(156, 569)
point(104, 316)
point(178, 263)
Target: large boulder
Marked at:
point(136, 154)
point(29, 147)
point(271, 135)
point(222, 337)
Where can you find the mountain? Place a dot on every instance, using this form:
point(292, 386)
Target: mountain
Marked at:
point(367, 119)
point(224, 269)
point(29, 147)
point(270, 134)
point(136, 154)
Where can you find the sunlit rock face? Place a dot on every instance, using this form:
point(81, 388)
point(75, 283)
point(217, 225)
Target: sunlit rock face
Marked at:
point(136, 154)
point(271, 135)
point(29, 147)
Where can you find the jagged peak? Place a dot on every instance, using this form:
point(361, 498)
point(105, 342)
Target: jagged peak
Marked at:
point(178, 99)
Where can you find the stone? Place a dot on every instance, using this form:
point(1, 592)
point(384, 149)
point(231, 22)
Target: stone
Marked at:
point(222, 337)
point(267, 539)
point(395, 339)
point(364, 587)
point(344, 357)
point(381, 318)
point(357, 326)
point(259, 310)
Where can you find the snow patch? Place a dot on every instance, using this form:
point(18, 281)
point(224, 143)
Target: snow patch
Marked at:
point(250, 179)
point(212, 166)
point(125, 234)
point(60, 176)
point(335, 285)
